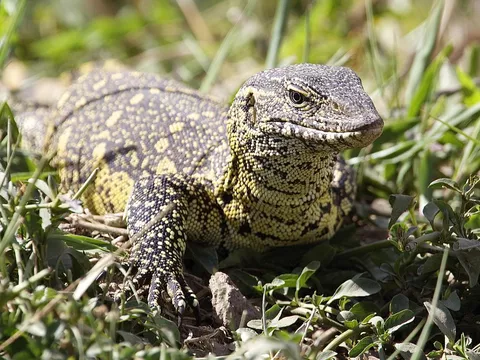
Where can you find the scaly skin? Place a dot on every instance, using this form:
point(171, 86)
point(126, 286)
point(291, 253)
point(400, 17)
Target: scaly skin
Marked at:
point(264, 173)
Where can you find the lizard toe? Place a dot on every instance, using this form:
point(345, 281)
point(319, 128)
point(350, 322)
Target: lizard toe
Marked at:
point(191, 299)
point(181, 295)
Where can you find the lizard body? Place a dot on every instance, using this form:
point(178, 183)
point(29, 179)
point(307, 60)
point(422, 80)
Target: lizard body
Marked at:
point(263, 173)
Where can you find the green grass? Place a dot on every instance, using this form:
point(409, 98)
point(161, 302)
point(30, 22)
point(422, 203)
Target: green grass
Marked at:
point(405, 284)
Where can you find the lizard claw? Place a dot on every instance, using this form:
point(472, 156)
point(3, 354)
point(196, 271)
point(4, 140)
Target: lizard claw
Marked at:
point(177, 289)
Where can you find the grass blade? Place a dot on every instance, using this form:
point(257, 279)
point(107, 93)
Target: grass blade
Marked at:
point(422, 341)
point(277, 32)
point(222, 52)
point(373, 47)
point(306, 47)
point(426, 83)
point(425, 47)
point(13, 25)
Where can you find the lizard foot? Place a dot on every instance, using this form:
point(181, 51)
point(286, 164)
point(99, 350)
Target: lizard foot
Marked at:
point(176, 287)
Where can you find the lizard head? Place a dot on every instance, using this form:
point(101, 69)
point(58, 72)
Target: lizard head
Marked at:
point(314, 107)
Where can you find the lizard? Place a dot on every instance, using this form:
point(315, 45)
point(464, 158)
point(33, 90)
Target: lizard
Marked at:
point(262, 173)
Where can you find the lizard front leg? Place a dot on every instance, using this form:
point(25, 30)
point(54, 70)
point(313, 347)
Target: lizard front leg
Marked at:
point(164, 211)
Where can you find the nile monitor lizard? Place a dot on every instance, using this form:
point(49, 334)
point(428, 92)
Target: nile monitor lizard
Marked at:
point(263, 173)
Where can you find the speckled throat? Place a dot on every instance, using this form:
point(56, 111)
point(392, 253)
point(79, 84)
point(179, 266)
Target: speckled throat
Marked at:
point(281, 198)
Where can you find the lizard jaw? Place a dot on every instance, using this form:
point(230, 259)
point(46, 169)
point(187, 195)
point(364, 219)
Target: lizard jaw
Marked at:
point(355, 138)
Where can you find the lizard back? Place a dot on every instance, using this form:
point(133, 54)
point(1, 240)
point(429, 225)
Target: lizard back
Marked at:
point(130, 125)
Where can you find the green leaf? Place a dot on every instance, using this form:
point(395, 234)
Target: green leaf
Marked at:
point(400, 233)
point(43, 187)
point(450, 217)
point(283, 281)
point(432, 264)
point(273, 312)
point(326, 355)
point(168, 329)
point(37, 328)
point(378, 322)
point(278, 315)
point(348, 319)
point(245, 281)
point(471, 92)
point(255, 324)
point(399, 319)
point(284, 322)
point(229, 41)
point(279, 23)
point(345, 315)
point(260, 346)
point(465, 244)
point(323, 252)
point(6, 118)
point(80, 242)
point(443, 319)
point(433, 354)
point(408, 349)
point(8, 33)
point(307, 272)
point(351, 324)
point(399, 302)
point(362, 346)
point(246, 334)
point(364, 309)
point(470, 261)
point(100, 346)
point(445, 182)
point(42, 295)
point(92, 276)
point(425, 175)
point(430, 211)
point(46, 217)
point(130, 338)
point(57, 254)
point(400, 203)
point(472, 355)
point(451, 138)
point(356, 287)
point(452, 302)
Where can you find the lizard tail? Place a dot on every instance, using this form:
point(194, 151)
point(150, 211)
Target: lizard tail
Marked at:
point(33, 126)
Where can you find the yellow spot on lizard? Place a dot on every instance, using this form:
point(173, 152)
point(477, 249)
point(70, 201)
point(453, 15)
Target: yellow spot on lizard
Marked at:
point(136, 99)
point(113, 119)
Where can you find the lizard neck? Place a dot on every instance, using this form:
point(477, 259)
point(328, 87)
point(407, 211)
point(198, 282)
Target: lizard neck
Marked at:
point(280, 171)
point(281, 180)
point(276, 189)
point(279, 200)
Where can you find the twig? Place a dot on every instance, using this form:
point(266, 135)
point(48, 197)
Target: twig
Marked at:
point(79, 223)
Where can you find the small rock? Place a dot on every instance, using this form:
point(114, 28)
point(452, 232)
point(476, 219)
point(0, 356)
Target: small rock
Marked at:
point(228, 302)
point(14, 75)
point(115, 220)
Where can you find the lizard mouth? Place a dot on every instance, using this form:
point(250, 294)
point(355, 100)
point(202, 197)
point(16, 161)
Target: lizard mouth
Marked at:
point(338, 138)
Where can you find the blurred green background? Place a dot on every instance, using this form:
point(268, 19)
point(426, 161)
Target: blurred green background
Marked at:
point(182, 37)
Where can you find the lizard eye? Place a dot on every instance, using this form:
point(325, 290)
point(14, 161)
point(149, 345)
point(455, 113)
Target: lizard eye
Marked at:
point(296, 97)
